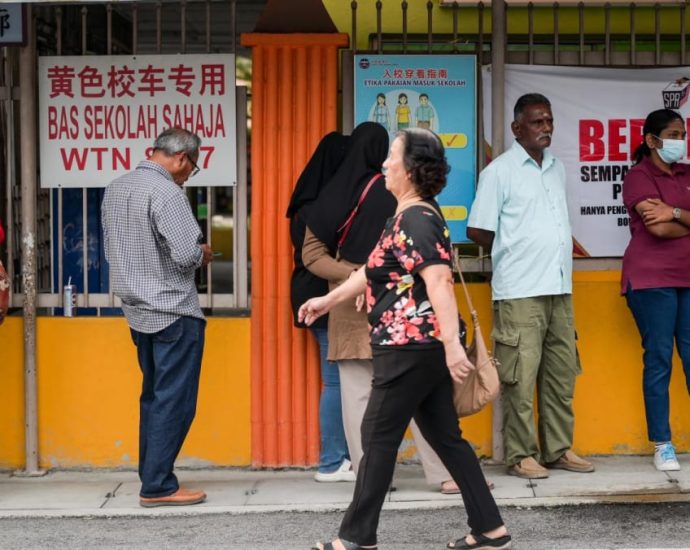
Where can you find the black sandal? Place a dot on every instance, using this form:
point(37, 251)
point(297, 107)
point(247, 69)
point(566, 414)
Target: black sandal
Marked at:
point(346, 544)
point(481, 543)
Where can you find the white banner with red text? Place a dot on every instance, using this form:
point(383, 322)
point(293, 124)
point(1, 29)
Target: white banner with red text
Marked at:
point(99, 115)
point(598, 118)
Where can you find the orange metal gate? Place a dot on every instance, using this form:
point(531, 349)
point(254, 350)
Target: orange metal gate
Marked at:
point(294, 103)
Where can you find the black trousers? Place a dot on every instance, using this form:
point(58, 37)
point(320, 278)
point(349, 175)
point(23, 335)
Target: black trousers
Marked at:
point(413, 383)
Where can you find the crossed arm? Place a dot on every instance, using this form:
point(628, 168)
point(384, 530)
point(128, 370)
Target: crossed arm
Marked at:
point(659, 221)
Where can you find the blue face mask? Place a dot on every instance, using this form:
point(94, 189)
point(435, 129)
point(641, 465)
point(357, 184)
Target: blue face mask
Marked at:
point(673, 150)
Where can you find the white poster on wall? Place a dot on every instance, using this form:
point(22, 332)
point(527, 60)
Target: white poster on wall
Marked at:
point(99, 115)
point(598, 118)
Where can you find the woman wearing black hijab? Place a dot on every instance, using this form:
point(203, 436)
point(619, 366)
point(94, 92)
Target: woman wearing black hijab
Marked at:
point(334, 458)
point(348, 332)
point(334, 463)
point(323, 163)
point(367, 149)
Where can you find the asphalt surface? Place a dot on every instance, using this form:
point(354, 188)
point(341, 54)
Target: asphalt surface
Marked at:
point(584, 526)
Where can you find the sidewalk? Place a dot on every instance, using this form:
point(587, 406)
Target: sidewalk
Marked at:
point(108, 493)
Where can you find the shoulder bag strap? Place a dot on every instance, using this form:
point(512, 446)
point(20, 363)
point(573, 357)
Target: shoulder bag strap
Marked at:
point(470, 305)
point(456, 264)
point(345, 228)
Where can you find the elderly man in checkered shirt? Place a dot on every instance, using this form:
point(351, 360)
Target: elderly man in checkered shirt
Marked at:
point(153, 246)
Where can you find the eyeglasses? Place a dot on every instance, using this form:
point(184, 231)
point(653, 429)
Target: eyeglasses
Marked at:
point(196, 168)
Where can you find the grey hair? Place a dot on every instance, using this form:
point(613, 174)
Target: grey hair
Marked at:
point(177, 140)
point(526, 100)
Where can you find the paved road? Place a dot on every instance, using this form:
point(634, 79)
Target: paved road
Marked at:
point(572, 527)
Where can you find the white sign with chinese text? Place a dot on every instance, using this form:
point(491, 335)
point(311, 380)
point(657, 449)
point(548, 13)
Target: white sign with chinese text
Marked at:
point(99, 115)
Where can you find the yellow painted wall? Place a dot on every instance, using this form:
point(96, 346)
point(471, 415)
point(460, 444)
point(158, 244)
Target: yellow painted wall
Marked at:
point(609, 408)
point(518, 22)
point(88, 390)
point(11, 394)
point(88, 387)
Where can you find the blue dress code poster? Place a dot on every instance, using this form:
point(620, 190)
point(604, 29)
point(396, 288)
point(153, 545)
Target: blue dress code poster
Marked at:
point(437, 92)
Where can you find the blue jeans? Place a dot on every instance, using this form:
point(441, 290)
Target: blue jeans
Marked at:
point(333, 443)
point(170, 361)
point(662, 315)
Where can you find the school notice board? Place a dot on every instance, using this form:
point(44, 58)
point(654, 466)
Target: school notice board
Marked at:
point(437, 92)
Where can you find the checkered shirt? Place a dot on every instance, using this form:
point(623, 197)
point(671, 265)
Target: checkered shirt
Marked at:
point(151, 242)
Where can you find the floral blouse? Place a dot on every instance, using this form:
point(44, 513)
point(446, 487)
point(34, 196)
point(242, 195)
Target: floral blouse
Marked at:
point(399, 309)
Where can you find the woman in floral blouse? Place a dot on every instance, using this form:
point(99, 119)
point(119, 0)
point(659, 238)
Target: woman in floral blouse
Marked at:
point(416, 349)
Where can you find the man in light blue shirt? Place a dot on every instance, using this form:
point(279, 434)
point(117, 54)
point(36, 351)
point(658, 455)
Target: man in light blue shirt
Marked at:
point(520, 213)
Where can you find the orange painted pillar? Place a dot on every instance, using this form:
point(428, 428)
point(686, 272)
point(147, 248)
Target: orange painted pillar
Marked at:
point(294, 104)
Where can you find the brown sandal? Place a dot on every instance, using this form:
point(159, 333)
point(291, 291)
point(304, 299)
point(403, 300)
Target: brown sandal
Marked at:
point(453, 488)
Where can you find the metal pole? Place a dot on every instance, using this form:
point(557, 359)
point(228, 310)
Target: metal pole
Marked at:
point(240, 255)
point(498, 59)
point(60, 195)
point(348, 109)
point(10, 167)
point(27, 110)
point(84, 190)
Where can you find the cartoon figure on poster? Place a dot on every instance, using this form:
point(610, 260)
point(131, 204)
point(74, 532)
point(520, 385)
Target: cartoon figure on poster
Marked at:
point(437, 93)
point(425, 113)
point(402, 113)
point(408, 102)
point(380, 112)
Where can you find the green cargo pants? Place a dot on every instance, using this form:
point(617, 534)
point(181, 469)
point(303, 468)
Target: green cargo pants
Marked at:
point(535, 344)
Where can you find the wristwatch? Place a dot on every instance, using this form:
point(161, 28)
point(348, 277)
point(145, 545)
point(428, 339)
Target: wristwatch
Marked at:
point(676, 213)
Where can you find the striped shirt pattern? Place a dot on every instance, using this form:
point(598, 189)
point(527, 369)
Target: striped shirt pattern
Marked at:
point(151, 242)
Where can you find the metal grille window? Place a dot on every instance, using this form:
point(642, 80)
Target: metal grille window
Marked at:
point(68, 233)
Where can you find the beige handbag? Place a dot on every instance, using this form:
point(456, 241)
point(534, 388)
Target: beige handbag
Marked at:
point(482, 384)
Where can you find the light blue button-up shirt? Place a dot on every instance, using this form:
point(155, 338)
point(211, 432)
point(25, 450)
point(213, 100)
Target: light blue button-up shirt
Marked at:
point(525, 205)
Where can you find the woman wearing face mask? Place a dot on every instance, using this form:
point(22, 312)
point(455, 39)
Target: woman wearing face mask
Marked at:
point(656, 266)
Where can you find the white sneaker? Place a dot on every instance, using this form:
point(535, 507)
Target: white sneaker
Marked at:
point(344, 473)
point(665, 458)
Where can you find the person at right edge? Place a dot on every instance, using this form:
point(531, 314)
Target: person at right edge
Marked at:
point(656, 267)
point(520, 214)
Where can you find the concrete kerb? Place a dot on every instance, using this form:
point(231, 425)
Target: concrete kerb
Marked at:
point(239, 491)
point(185, 511)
